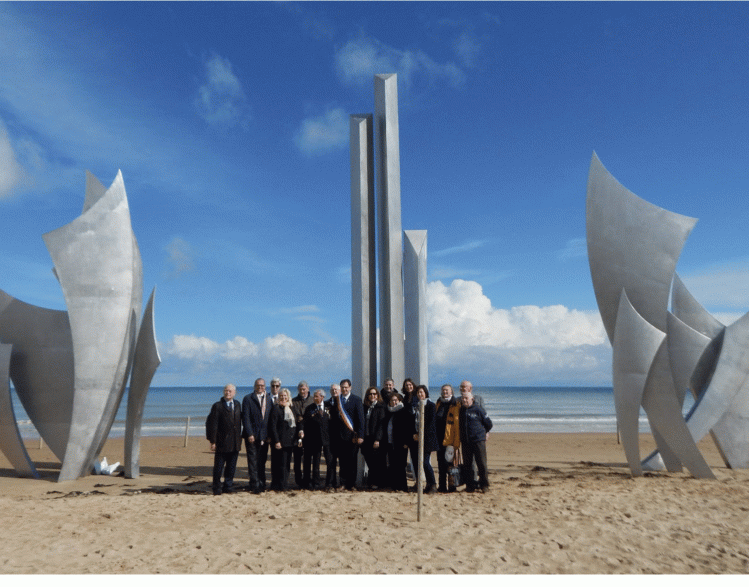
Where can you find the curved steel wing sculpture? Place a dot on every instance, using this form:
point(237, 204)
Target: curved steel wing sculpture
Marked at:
point(727, 381)
point(145, 363)
point(636, 342)
point(633, 248)
point(70, 368)
point(41, 367)
point(94, 258)
point(632, 245)
point(11, 442)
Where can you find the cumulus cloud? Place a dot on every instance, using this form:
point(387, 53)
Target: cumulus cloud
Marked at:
point(322, 134)
point(221, 98)
point(521, 344)
point(468, 337)
point(11, 173)
point(360, 59)
point(242, 360)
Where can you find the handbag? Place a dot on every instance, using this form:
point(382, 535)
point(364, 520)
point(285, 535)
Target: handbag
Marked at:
point(454, 476)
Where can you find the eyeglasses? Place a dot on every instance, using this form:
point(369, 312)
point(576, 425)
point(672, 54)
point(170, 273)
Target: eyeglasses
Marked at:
point(274, 385)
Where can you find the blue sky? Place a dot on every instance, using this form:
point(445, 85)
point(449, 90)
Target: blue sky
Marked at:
point(229, 122)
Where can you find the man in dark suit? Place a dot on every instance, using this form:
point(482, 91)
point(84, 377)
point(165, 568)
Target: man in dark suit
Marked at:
point(256, 408)
point(316, 440)
point(350, 433)
point(223, 429)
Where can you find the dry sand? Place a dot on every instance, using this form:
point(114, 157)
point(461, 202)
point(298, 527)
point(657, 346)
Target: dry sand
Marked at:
point(558, 503)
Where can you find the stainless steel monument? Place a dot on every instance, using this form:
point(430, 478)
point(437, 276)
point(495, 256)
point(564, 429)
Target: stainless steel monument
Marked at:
point(633, 248)
point(70, 369)
point(402, 317)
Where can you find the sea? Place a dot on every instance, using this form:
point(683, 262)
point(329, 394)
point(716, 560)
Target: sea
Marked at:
point(176, 411)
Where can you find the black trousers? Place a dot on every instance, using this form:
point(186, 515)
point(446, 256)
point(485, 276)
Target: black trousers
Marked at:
point(397, 456)
point(279, 468)
point(298, 457)
point(475, 451)
point(348, 453)
point(257, 457)
point(332, 478)
point(376, 459)
point(311, 478)
point(442, 466)
point(226, 463)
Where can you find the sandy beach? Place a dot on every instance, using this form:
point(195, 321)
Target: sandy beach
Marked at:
point(558, 503)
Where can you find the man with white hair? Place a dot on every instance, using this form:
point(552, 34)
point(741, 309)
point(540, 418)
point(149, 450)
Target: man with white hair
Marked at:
point(474, 426)
point(298, 406)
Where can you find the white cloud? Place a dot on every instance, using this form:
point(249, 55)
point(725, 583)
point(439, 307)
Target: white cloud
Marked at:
point(359, 60)
point(11, 173)
point(221, 98)
point(197, 358)
point(523, 344)
point(323, 134)
point(468, 337)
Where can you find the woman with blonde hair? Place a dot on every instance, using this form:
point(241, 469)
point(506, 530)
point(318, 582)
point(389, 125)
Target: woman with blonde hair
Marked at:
point(283, 433)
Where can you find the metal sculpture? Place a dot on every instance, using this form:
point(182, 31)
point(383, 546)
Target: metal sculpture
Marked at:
point(402, 267)
point(390, 252)
point(633, 248)
point(70, 368)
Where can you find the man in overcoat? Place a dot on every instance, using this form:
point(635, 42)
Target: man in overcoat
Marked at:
point(223, 429)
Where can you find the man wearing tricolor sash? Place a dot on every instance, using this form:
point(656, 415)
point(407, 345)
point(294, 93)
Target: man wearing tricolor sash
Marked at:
point(346, 431)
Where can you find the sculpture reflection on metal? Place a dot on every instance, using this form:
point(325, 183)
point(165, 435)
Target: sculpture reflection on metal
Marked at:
point(70, 368)
point(633, 248)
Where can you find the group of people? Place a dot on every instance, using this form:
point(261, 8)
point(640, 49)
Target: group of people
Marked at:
point(384, 426)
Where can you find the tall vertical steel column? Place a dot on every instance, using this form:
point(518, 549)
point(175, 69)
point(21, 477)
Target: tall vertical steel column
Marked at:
point(390, 254)
point(363, 262)
point(415, 294)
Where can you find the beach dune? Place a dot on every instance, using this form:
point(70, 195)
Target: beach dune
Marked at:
point(558, 503)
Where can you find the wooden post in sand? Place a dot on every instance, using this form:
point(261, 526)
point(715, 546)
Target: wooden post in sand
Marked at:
point(187, 430)
point(420, 468)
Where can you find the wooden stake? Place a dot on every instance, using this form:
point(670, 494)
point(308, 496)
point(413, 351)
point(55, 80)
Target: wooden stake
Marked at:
point(420, 474)
point(187, 430)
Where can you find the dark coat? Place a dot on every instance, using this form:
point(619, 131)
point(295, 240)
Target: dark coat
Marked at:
point(315, 425)
point(374, 430)
point(299, 406)
point(253, 422)
point(403, 425)
point(280, 430)
point(354, 407)
point(430, 430)
point(474, 424)
point(223, 427)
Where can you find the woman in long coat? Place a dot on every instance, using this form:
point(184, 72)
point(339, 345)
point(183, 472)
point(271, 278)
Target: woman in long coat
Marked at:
point(398, 429)
point(283, 433)
point(373, 448)
point(430, 437)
